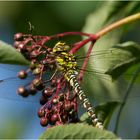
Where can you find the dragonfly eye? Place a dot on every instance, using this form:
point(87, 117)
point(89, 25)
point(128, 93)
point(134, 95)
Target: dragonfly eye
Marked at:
point(61, 47)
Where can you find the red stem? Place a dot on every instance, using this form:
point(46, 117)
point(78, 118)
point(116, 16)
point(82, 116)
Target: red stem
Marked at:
point(69, 33)
point(80, 76)
point(80, 44)
point(47, 38)
point(58, 86)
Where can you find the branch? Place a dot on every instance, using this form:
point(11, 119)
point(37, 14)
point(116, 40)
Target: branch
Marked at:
point(118, 24)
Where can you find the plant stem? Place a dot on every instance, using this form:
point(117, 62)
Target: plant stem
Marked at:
point(69, 33)
point(78, 45)
point(80, 76)
point(118, 24)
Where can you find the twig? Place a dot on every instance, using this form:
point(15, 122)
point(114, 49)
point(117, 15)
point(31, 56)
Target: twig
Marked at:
point(118, 24)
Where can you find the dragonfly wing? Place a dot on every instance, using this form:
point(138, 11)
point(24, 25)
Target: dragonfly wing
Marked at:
point(99, 84)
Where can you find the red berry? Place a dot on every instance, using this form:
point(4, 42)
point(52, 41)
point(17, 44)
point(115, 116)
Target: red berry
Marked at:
point(34, 53)
point(18, 37)
point(21, 47)
point(55, 109)
point(22, 91)
point(47, 92)
point(32, 89)
point(44, 121)
point(68, 106)
point(61, 97)
point(54, 118)
point(22, 74)
point(33, 64)
point(41, 113)
point(53, 82)
point(43, 100)
point(38, 84)
point(16, 43)
point(55, 101)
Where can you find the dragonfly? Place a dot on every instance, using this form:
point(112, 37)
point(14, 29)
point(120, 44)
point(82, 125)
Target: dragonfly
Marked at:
point(95, 80)
point(101, 87)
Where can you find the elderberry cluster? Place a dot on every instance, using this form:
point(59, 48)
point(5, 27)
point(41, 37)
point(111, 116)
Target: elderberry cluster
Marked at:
point(59, 104)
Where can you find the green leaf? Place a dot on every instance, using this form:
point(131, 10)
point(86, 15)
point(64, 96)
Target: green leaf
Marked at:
point(130, 72)
point(102, 17)
point(104, 113)
point(76, 131)
point(9, 55)
point(85, 119)
point(124, 55)
point(126, 7)
point(115, 6)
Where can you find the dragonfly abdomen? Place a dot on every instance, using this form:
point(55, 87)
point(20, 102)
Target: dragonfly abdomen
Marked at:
point(67, 65)
point(71, 77)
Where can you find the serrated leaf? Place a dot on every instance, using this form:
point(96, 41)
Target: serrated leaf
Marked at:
point(9, 55)
point(125, 55)
point(104, 113)
point(76, 131)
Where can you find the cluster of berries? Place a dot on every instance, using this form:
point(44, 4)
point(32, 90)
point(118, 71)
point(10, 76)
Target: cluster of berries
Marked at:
point(59, 104)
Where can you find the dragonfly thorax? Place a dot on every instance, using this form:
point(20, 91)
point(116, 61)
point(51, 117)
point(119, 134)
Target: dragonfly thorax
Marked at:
point(65, 61)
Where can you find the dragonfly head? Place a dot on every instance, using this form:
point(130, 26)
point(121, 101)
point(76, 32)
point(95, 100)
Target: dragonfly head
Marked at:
point(61, 47)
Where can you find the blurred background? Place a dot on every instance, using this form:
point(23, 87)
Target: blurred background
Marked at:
point(18, 118)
